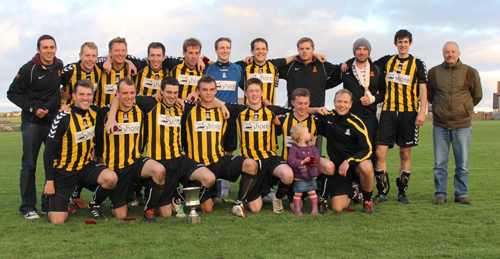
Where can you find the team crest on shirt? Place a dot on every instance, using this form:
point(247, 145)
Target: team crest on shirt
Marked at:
point(169, 121)
point(265, 78)
point(152, 83)
point(128, 128)
point(188, 79)
point(398, 78)
point(84, 135)
point(255, 126)
point(203, 126)
point(224, 75)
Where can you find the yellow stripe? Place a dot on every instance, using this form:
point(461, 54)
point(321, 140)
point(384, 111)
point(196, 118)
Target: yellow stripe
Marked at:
point(365, 133)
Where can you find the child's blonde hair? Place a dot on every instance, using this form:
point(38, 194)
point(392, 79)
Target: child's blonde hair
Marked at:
point(297, 131)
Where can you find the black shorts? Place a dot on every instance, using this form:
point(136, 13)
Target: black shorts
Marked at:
point(231, 136)
point(397, 127)
point(336, 185)
point(65, 181)
point(123, 192)
point(229, 168)
point(178, 171)
point(265, 176)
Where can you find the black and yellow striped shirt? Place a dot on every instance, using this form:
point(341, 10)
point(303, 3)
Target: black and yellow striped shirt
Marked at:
point(268, 74)
point(148, 81)
point(74, 72)
point(123, 146)
point(256, 129)
point(163, 128)
point(287, 123)
point(403, 76)
point(188, 78)
point(106, 90)
point(205, 130)
point(75, 133)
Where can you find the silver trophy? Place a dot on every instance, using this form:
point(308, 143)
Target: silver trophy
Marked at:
point(192, 199)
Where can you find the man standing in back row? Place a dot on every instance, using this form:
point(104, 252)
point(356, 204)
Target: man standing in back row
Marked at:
point(36, 91)
point(454, 89)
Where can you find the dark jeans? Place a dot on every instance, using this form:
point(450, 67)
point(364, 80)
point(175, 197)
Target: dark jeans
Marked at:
point(33, 136)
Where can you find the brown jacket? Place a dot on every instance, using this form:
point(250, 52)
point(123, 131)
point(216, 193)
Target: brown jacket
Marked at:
point(453, 92)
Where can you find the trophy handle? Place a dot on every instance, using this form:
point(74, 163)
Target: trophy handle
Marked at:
point(204, 189)
point(180, 194)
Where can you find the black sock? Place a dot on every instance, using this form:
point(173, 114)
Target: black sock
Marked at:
point(282, 190)
point(247, 183)
point(402, 182)
point(367, 196)
point(153, 193)
point(100, 195)
point(138, 190)
point(76, 192)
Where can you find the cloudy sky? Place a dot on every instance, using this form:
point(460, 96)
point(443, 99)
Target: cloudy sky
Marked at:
point(334, 26)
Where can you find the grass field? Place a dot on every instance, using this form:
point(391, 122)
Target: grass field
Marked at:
point(420, 230)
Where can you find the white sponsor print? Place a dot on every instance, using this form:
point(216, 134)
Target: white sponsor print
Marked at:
point(255, 126)
point(398, 78)
point(152, 83)
point(169, 121)
point(188, 80)
point(110, 88)
point(128, 128)
point(265, 78)
point(84, 135)
point(201, 126)
point(288, 141)
point(226, 85)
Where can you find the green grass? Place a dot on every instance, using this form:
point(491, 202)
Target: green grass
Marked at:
point(420, 230)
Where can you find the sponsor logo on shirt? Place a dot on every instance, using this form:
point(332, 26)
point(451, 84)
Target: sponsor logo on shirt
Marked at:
point(255, 126)
point(169, 121)
point(152, 83)
point(110, 88)
point(288, 141)
point(226, 85)
point(84, 135)
point(201, 126)
point(188, 79)
point(398, 78)
point(128, 128)
point(265, 78)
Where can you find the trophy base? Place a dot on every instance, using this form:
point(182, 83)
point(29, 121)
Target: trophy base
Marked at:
point(193, 217)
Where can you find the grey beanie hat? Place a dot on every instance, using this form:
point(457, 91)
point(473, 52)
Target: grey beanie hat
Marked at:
point(361, 42)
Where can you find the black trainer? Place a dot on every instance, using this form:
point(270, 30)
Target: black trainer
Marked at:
point(96, 212)
point(323, 206)
point(379, 198)
point(402, 198)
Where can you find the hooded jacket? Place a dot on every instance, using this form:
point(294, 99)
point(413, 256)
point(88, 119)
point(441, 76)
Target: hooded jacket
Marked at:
point(453, 92)
point(36, 87)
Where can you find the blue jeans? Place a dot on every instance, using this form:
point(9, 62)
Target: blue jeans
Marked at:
point(33, 137)
point(460, 141)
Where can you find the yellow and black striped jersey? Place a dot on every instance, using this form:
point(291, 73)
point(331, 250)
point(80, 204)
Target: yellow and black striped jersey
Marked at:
point(256, 129)
point(73, 136)
point(267, 73)
point(74, 72)
point(205, 130)
point(188, 79)
point(106, 90)
point(403, 76)
point(148, 81)
point(163, 128)
point(123, 146)
point(287, 123)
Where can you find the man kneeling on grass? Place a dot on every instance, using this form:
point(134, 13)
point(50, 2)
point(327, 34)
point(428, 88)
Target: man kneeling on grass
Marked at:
point(68, 157)
point(349, 148)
